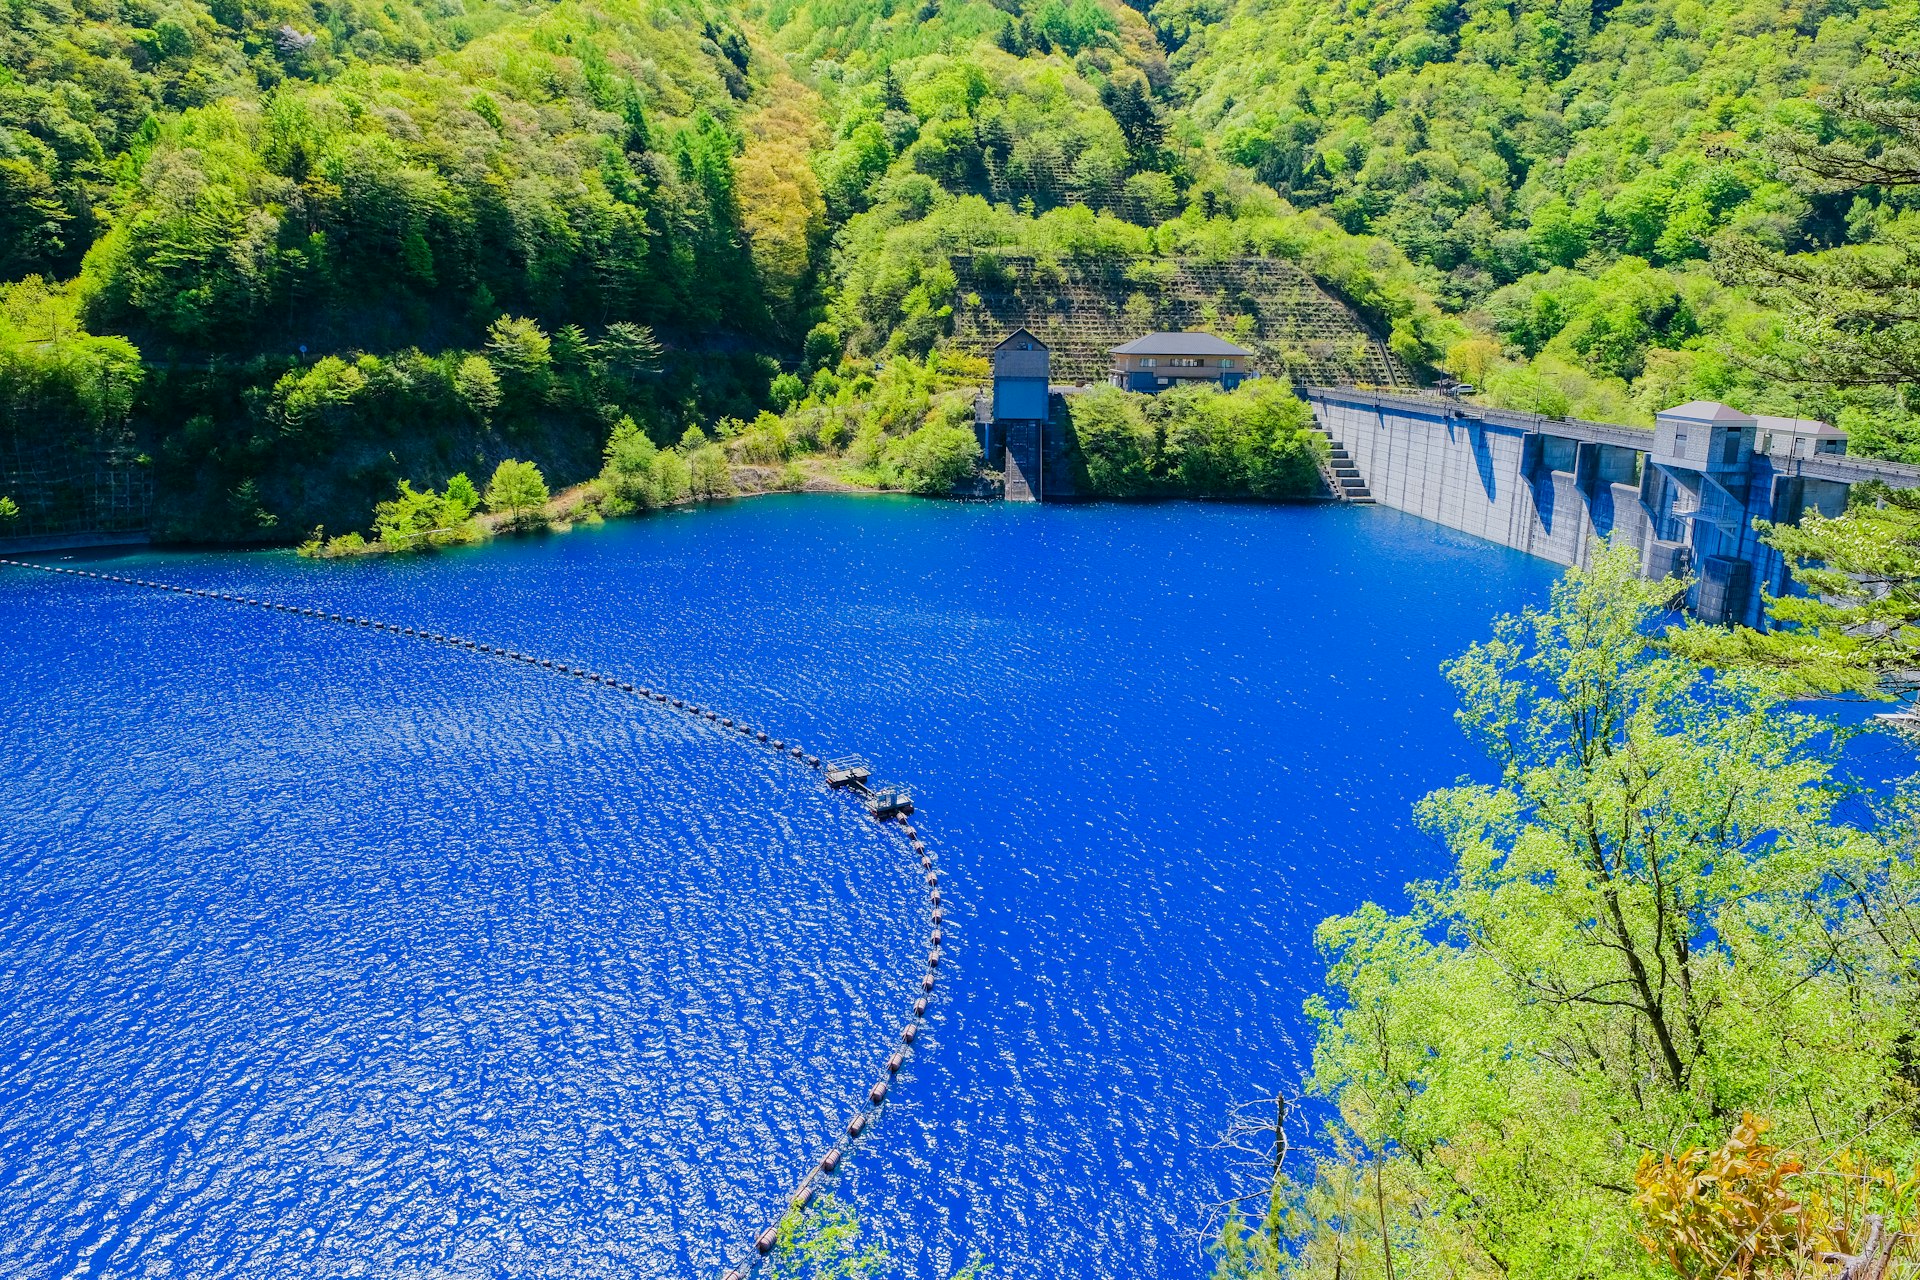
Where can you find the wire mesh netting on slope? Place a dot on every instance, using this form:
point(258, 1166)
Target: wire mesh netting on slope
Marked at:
point(64, 488)
point(1083, 309)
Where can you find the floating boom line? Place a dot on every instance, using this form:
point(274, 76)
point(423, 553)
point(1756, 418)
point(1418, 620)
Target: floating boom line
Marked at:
point(887, 805)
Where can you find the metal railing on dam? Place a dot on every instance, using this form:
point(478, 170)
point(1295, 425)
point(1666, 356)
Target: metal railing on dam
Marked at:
point(1551, 486)
point(889, 806)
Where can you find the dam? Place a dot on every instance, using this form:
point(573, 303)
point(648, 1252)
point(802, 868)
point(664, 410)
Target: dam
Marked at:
point(1684, 494)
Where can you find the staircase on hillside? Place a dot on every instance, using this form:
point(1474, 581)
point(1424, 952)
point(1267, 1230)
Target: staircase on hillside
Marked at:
point(1343, 477)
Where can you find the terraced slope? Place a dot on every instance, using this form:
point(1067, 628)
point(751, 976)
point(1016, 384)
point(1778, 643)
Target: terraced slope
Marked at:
point(1083, 309)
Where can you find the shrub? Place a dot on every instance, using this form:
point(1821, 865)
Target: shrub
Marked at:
point(707, 473)
point(1116, 443)
point(1198, 442)
point(935, 458)
point(786, 391)
point(517, 490)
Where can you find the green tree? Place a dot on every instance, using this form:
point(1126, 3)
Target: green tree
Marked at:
point(935, 458)
point(630, 351)
point(517, 490)
point(523, 353)
point(1654, 922)
point(407, 519)
point(638, 475)
point(1115, 442)
point(708, 475)
point(1853, 313)
point(1853, 626)
point(477, 385)
point(822, 1242)
point(787, 391)
point(461, 499)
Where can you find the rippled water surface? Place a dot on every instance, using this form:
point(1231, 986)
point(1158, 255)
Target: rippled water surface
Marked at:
point(328, 953)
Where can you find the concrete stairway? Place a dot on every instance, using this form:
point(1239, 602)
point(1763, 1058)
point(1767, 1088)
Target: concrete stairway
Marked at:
point(1348, 484)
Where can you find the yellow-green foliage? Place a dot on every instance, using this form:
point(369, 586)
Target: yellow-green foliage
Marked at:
point(58, 382)
point(1657, 916)
point(1853, 626)
point(367, 242)
point(1570, 170)
point(1199, 442)
point(313, 214)
point(416, 518)
point(517, 491)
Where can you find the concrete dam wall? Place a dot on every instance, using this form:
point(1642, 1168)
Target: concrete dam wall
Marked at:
point(1684, 495)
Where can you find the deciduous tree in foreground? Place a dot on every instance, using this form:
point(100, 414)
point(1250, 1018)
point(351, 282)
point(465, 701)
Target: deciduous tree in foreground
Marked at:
point(1657, 921)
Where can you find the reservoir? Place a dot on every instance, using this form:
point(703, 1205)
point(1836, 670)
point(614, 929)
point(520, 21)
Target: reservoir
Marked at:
point(327, 953)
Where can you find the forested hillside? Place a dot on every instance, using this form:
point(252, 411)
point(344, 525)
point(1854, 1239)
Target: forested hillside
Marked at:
point(1564, 172)
point(295, 253)
point(352, 245)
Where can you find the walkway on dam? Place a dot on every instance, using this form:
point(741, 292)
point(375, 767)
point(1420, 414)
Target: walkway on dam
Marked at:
point(1838, 468)
point(1692, 496)
point(889, 806)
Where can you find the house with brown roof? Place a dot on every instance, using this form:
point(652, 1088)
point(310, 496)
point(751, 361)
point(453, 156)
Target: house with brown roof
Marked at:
point(1156, 361)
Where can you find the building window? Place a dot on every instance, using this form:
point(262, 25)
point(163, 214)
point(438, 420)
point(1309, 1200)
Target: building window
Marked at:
point(1679, 444)
point(1226, 364)
point(1730, 453)
point(1147, 363)
point(1186, 362)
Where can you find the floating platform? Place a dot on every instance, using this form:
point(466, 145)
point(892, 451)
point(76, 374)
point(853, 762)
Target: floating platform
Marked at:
point(886, 801)
point(847, 770)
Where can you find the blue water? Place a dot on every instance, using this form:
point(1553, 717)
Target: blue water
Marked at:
point(328, 953)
